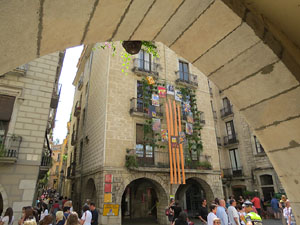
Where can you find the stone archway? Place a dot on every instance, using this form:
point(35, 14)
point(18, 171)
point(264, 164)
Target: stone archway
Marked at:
point(252, 62)
point(3, 198)
point(90, 191)
point(156, 189)
point(191, 194)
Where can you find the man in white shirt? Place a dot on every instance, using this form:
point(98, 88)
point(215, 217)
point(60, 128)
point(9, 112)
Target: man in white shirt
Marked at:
point(212, 215)
point(221, 212)
point(233, 215)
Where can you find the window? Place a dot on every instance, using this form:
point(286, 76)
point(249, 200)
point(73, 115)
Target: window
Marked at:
point(80, 151)
point(267, 186)
point(226, 102)
point(6, 106)
point(141, 106)
point(235, 159)
point(58, 157)
point(56, 170)
point(144, 148)
point(83, 117)
point(266, 180)
point(144, 61)
point(259, 148)
point(230, 129)
point(183, 71)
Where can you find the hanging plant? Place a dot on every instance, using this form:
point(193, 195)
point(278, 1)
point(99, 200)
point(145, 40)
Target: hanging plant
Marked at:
point(133, 47)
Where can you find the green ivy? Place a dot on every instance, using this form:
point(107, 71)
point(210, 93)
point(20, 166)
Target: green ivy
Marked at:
point(131, 161)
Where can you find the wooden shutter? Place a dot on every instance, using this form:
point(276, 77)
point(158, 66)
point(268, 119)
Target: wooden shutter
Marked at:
point(6, 107)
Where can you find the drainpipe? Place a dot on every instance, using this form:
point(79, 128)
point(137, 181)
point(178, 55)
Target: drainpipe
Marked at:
point(84, 130)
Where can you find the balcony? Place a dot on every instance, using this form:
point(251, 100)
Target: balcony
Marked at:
point(55, 96)
point(80, 83)
point(45, 165)
point(210, 91)
point(219, 143)
point(215, 114)
point(139, 108)
point(230, 139)
point(160, 159)
point(187, 79)
point(226, 111)
point(232, 173)
point(74, 138)
point(145, 68)
point(9, 148)
point(77, 109)
point(71, 170)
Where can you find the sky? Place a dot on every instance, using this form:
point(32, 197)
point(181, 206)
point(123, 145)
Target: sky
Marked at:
point(67, 76)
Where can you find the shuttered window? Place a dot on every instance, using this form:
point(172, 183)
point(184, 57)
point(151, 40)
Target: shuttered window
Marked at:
point(6, 107)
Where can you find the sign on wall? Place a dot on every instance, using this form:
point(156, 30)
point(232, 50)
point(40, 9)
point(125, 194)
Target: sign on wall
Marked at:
point(110, 210)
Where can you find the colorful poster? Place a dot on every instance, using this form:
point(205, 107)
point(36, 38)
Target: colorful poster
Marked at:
point(189, 118)
point(110, 210)
point(189, 128)
point(155, 124)
point(108, 178)
point(174, 141)
point(178, 95)
point(107, 187)
point(170, 89)
point(164, 135)
point(150, 80)
point(181, 137)
point(152, 111)
point(162, 92)
point(186, 107)
point(107, 197)
point(155, 99)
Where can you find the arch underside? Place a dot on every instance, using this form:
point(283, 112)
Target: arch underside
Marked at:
point(252, 65)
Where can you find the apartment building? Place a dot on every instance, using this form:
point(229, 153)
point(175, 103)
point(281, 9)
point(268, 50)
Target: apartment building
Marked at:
point(113, 157)
point(54, 171)
point(243, 161)
point(29, 97)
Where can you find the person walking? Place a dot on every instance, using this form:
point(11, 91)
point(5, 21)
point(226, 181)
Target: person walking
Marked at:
point(233, 215)
point(275, 208)
point(221, 212)
point(8, 217)
point(169, 211)
point(212, 215)
point(86, 218)
point(251, 216)
point(176, 209)
point(217, 221)
point(94, 213)
point(288, 214)
point(48, 220)
point(203, 212)
point(256, 203)
point(73, 219)
point(59, 218)
point(181, 219)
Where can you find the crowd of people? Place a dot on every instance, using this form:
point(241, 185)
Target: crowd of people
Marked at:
point(52, 209)
point(233, 212)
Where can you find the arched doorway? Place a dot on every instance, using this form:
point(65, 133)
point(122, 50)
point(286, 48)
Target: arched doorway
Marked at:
point(90, 191)
point(191, 194)
point(140, 202)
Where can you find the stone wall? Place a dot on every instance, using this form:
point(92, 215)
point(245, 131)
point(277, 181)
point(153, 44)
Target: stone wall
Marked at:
point(33, 92)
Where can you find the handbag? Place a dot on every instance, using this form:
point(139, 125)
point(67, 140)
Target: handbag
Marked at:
point(167, 212)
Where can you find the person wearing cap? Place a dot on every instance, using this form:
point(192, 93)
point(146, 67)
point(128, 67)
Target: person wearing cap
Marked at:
point(251, 217)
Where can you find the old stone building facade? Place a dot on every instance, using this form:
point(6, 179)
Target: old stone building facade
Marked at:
point(29, 96)
point(243, 161)
point(54, 171)
point(104, 132)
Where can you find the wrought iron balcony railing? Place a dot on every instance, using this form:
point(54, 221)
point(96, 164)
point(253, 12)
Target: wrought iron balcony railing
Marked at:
point(144, 67)
point(232, 172)
point(9, 148)
point(219, 141)
point(187, 78)
point(160, 159)
point(46, 161)
point(138, 106)
point(77, 109)
point(55, 96)
point(230, 139)
point(226, 111)
point(74, 138)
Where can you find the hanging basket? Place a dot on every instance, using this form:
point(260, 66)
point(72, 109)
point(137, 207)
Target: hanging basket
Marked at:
point(132, 47)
